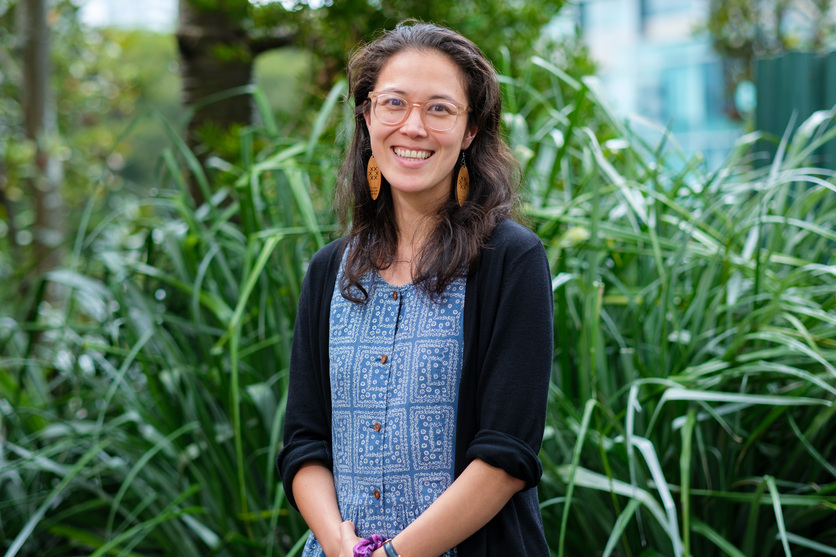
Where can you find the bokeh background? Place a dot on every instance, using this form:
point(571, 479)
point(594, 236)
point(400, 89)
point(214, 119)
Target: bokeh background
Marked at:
point(167, 170)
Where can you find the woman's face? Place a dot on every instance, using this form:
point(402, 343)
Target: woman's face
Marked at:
point(417, 161)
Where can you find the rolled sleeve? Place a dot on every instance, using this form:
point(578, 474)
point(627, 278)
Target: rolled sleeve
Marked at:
point(513, 455)
point(296, 454)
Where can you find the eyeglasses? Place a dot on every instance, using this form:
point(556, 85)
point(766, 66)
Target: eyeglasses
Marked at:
point(440, 116)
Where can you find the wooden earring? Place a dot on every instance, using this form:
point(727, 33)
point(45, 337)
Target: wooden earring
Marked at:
point(462, 182)
point(373, 177)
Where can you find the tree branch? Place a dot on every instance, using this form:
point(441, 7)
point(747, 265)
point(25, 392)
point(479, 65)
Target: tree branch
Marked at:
point(272, 41)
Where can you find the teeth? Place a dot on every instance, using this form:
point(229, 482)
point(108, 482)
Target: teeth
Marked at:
point(412, 154)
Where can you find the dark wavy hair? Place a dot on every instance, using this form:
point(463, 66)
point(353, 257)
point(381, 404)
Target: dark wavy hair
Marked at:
point(452, 246)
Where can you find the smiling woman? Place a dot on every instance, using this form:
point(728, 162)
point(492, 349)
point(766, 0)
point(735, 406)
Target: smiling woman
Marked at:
point(422, 349)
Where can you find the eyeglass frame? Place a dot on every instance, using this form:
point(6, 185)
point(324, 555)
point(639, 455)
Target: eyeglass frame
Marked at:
point(373, 95)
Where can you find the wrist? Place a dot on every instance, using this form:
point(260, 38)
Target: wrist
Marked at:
point(331, 548)
point(332, 545)
point(389, 549)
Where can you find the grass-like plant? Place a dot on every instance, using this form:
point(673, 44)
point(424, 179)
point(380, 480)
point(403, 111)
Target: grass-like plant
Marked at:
point(691, 409)
point(695, 333)
point(151, 425)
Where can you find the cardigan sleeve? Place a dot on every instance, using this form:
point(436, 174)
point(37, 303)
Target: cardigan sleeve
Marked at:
point(515, 343)
point(307, 420)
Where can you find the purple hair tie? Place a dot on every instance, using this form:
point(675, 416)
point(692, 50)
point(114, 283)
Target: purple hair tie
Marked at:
point(366, 547)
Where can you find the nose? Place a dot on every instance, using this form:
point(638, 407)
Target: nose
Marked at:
point(414, 125)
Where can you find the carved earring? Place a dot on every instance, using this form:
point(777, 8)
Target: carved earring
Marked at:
point(373, 177)
point(462, 182)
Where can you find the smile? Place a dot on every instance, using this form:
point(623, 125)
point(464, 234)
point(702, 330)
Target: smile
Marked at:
point(412, 153)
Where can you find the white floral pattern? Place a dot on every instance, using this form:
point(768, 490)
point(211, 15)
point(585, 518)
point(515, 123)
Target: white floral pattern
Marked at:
point(395, 365)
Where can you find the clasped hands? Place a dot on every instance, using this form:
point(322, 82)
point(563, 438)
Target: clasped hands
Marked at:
point(348, 539)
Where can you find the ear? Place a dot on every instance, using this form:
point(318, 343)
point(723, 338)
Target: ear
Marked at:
point(468, 137)
point(367, 114)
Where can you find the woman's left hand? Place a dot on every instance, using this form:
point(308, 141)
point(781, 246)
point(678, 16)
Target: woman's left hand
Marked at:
point(348, 539)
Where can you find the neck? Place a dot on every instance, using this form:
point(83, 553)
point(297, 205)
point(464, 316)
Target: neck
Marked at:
point(414, 222)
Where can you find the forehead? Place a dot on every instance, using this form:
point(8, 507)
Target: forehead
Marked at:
point(422, 74)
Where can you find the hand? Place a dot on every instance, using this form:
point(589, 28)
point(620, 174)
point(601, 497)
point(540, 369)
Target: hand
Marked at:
point(348, 539)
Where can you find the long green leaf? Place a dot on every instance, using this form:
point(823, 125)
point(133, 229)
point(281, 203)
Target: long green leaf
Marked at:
point(54, 494)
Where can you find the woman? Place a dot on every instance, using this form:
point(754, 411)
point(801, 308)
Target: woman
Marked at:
point(423, 343)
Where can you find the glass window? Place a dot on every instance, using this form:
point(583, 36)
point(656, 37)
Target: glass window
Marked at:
point(650, 8)
point(596, 14)
point(684, 101)
point(715, 94)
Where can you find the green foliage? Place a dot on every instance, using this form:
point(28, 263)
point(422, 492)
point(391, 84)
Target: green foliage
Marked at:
point(94, 97)
point(691, 408)
point(284, 76)
point(769, 27)
point(150, 61)
point(523, 22)
point(158, 393)
point(745, 30)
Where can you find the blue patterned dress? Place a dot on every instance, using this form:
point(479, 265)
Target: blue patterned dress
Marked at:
point(395, 363)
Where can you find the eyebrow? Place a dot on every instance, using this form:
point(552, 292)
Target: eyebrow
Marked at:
point(432, 97)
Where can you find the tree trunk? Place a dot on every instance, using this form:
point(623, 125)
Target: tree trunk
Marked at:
point(39, 123)
point(216, 55)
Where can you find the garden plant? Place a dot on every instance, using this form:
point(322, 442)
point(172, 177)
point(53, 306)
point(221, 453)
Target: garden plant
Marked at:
point(692, 401)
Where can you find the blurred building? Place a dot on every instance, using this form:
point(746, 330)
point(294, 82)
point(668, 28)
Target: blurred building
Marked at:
point(655, 63)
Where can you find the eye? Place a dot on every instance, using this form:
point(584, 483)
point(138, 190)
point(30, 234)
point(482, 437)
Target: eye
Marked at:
point(391, 102)
point(441, 109)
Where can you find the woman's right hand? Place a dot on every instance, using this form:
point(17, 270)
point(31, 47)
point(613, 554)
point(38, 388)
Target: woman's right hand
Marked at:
point(348, 539)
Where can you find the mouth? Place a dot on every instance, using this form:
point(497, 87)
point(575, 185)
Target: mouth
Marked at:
point(412, 154)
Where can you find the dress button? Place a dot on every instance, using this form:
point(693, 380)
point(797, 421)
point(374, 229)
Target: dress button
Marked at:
point(383, 359)
point(376, 494)
point(395, 295)
point(377, 426)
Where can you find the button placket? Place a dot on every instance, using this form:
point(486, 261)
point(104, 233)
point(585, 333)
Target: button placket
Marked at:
point(396, 307)
point(391, 312)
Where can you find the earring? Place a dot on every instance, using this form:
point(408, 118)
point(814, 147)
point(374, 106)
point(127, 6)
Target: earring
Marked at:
point(373, 177)
point(462, 182)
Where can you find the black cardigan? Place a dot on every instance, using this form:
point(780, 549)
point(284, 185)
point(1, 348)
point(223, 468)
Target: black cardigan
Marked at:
point(504, 385)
